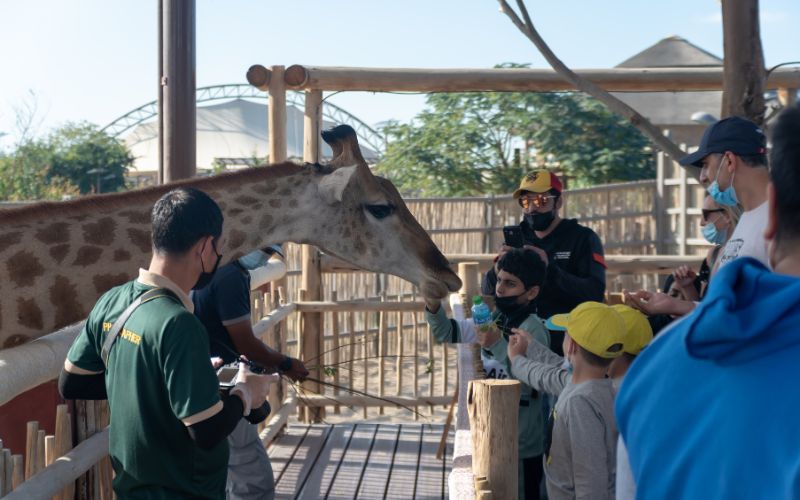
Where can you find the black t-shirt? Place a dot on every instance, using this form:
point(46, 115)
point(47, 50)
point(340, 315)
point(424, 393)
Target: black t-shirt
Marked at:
point(224, 301)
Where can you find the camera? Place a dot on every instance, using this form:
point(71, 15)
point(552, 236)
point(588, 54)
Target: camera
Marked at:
point(227, 376)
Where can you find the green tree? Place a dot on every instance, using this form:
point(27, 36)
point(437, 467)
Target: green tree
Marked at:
point(24, 174)
point(463, 143)
point(90, 159)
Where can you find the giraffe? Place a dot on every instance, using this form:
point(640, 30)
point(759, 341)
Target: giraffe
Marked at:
point(59, 257)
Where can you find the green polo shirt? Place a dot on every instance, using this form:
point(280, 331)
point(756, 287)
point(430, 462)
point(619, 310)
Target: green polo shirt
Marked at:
point(158, 374)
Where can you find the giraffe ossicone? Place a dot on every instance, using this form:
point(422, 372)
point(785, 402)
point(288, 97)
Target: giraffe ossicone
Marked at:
point(59, 257)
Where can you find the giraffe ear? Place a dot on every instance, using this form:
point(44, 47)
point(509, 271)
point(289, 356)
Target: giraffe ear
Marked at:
point(344, 143)
point(332, 185)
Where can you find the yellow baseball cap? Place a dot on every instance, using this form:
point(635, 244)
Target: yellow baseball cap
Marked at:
point(638, 332)
point(538, 181)
point(594, 326)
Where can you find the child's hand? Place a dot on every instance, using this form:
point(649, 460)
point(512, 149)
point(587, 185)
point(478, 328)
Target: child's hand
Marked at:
point(488, 335)
point(518, 343)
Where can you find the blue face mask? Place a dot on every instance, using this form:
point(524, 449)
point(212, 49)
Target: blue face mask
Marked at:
point(727, 197)
point(254, 260)
point(714, 235)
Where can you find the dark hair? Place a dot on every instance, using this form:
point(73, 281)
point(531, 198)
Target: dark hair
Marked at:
point(757, 160)
point(594, 359)
point(182, 217)
point(525, 264)
point(785, 173)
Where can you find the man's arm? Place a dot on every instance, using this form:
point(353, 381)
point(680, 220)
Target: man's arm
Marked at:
point(73, 385)
point(255, 350)
point(543, 377)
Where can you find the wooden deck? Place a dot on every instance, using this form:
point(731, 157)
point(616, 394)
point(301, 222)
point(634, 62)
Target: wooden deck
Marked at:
point(364, 460)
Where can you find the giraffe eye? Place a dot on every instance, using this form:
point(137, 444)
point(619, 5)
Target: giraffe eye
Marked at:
point(380, 211)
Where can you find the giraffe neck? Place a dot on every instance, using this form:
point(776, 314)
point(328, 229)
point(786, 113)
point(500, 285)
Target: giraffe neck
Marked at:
point(58, 258)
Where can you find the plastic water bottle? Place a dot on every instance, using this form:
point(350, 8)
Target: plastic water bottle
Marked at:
point(481, 315)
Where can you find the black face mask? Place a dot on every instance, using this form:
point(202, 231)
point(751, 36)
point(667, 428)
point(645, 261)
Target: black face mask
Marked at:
point(205, 277)
point(509, 305)
point(540, 222)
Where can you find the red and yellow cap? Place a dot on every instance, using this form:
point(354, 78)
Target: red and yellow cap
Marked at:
point(538, 181)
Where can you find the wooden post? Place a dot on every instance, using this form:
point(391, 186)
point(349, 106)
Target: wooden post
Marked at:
point(276, 120)
point(40, 458)
point(365, 355)
point(382, 343)
point(431, 365)
point(3, 465)
point(30, 449)
point(659, 205)
point(18, 474)
point(682, 200)
point(311, 271)
point(8, 472)
point(351, 327)
point(493, 413)
point(488, 243)
point(63, 443)
point(178, 99)
point(415, 351)
point(335, 351)
point(468, 272)
point(399, 353)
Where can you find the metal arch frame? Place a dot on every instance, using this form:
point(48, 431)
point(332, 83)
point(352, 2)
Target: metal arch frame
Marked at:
point(332, 112)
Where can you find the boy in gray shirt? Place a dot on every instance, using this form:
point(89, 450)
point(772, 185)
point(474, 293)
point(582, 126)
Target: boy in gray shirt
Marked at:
point(580, 454)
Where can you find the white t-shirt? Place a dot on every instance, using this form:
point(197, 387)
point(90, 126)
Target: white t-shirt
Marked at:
point(747, 239)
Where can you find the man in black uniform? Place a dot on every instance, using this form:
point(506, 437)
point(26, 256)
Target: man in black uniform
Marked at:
point(576, 268)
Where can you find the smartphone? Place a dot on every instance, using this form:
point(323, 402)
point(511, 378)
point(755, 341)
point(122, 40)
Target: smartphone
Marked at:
point(513, 236)
point(227, 375)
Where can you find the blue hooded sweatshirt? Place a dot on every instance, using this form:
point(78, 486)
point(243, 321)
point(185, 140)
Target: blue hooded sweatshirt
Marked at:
point(711, 409)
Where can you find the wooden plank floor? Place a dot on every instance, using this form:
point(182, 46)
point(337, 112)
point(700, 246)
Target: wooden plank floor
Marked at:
point(364, 460)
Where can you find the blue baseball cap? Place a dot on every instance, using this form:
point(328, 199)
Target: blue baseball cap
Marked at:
point(734, 134)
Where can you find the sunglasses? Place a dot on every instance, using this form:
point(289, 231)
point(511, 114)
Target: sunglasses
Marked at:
point(537, 200)
point(707, 213)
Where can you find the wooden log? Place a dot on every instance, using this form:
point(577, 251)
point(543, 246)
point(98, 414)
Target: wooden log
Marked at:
point(49, 450)
point(258, 76)
point(30, 449)
point(383, 320)
point(515, 79)
point(468, 272)
point(493, 413)
point(18, 474)
point(8, 472)
point(63, 444)
point(40, 451)
point(335, 351)
point(278, 420)
point(277, 116)
point(63, 472)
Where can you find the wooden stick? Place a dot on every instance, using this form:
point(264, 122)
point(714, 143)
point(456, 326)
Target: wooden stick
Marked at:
point(445, 367)
point(18, 474)
point(3, 484)
point(399, 361)
point(40, 458)
point(365, 350)
point(63, 444)
point(8, 472)
point(335, 353)
point(317, 400)
point(382, 343)
point(447, 423)
point(415, 333)
point(432, 365)
point(351, 320)
point(30, 449)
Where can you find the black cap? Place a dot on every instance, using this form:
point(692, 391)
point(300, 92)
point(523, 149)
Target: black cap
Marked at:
point(734, 134)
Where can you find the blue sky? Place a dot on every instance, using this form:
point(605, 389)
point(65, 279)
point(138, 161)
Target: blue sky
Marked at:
point(95, 60)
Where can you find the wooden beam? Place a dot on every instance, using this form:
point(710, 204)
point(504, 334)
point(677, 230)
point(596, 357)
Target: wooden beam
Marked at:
point(515, 79)
point(276, 118)
point(359, 400)
point(258, 76)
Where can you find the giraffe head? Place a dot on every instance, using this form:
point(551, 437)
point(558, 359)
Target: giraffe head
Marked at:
point(376, 231)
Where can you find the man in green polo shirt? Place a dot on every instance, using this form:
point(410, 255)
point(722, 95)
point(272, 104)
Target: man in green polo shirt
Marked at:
point(168, 420)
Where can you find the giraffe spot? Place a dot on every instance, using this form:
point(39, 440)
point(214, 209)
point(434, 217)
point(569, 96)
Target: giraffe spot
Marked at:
point(15, 340)
point(64, 297)
point(346, 233)
point(246, 200)
point(136, 217)
point(57, 232)
point(257, 206)
point(264, 188)
point(359, 245)
point(236, 239)
point(79, 218)
point(58, 252)
point(285, 192)
point(293, 203)
point(24, 268)
point(140, 239)
point(105, 282)
point(121, 255)
point(29, 314)
point(275, 203)
point(100, 232)
point(233, 212)
point(9, 239)
point(247, 219)
point(297, 182)
point(88, 255)
point(265, 222)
